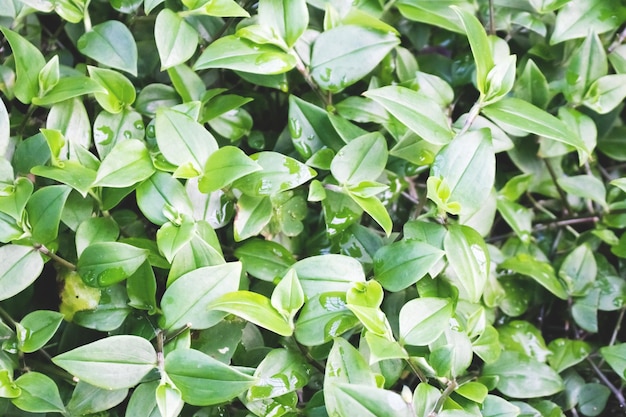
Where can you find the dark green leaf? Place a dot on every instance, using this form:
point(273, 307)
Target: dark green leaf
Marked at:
point(541, 272)
point(37, 328)
point(402, 264)
point(28, 62)
point(105, 263)
point(44, 212)
point(39, 394)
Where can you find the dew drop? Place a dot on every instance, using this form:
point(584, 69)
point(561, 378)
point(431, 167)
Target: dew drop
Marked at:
point(128, 134)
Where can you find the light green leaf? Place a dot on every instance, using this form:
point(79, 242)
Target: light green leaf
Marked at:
point(169, 399)
point(495, 406)
point(281, 371)
point(606, 93)
point(87, 399)
point(68, 172)
point(519, 114)
point(577, 18)
point(253, 214)
point(67, 88)
point(110, 43)
point(288, 296)
point(542, 272)
point(516, 216)
point(39, 394)
point(480, 45)
point(416, 111)
point(519, 376)
point(567, 353)
point(265, 259)
point(351, 399)
point(105, 263)
point(182, 307)
point(579, 269)
point(203, 380)
point(585, 186)
point(36, 329)
point(28, 63)
point(362, 159)
point(109, 129)
point(345, 54)
point(95, 229)
point(182, 140)
point(115, 362)
point(8, 388)
point(288, 18)
point(159, 193)
point(128, 163)
point(345, 364)
point(231, 52)
point(588, 63)
point(255, 308)
point(323, 317)
point(326, 273)
point(120, 92)
point(5, 128)
point(436, 12)
point(401, 264)
point(176, 40)
point(423, 320)
point(532, 86)
point(142, 402)
point(224, 166)
point(49, 75)
point(375, 208)
point(616, 357)
point(44, 212)
point(468, 255)
point(222, 8)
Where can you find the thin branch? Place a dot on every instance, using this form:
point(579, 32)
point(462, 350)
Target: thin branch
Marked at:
point(41, 248)
point(492, 18)
point(566, 208)
point(452, 385)
point(618, 394)
point(617, 42)
point(304, 71)
point(417, 371)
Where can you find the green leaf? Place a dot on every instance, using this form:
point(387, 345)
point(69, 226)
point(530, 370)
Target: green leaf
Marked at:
point(172, 237)
point(225, 166)
point(616, 357)
point(363, 159)
point(578, 271)
point(160, 192)
point(126, 164)
point(401, 264)
point(542, 272)
point(36, 329)
point(39, 394)
point(281, 371)
point(577, 18)
point(522, 336)
point(264, 259)
point(288, 296)
point(169, 399)
point(375, 208)
point(516, 216)
point(176, 40)
point(495, 406)
point(593, 399)
point(182, 307)
point(436, 12)
point(44, 212)
point(8, 388)
point(351, 399)
point(203, 380)
point(105, 263)
point(327, 273)
point(468, 166)
point(364, 300)
point(115, 362)
point(567, 353)
point(255, 308)
point(95, 229)
point(288, 18)
point(223, 8)
point(120, 92)
point(423, 320)
point(28, 63)
point(141, 288)
point(71, 173)
point(182, 140)
point(345, 54)
point(142, 402)
point(110, 43)
point(67, 88)
point(49, 75)
point(524, 116)
point(416, 111)
point(606, 93)
point(588, 64)
point(232, 52)
point(87, 399)
point(5, 128)
point(519, 376)
point(532, 86)
point(253, 214)
point(323, 317)
point(468, 255)
point(480, 45)
point(109, 129)
point(345, 364)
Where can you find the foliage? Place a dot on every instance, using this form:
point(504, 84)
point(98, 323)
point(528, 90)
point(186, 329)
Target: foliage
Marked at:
point(319, 208)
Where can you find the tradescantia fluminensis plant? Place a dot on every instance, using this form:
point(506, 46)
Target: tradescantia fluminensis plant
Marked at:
point(288, 207)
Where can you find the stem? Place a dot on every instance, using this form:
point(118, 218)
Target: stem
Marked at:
point(7, 317)
point(617, 326)
point(618, 394)
point(159, 350)
point(417, 371)
point(452, 385)
point(303, 70)
point(41, 248)
point(168, 338)
point(472, 115)
point(492, 20)
point(87, 20)
point(388, 7)
point(566, 208)
point(617, 42)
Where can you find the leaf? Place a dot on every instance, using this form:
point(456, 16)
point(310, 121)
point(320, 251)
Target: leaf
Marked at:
point(115, 362)
point(120, 92)
point(71, 173)
point(223, 8)
point(95, 229)
point(436, 12)
point(468, 255)
point(253, 214)
point(255, 308)
point(480, 45)
point(567, 353)
point(423, 320)
point(352, 399)
point(468, 165)
point(182, 307)
point(44, 211)
point(401, 264)
point(288, 296)
point(495, 406)
point(126, 164)
point(28, 63)
point(615, 356)
point(172, 237)
point(345, 364)
point(141, 289)
point(375, 208)
point(105, 263)
point(606, 93)
point(8, 388)
point(160, 192)
point(586, 66)
point(542, 272)
point(280, 372)
point(110, 43)
point(87, 399)
point(323, 317)
point(176, 40)
point(142, 402)
point(234, 53)
point(182, 140)
point(523, 377)
point(109, 129)
point(225, 166)
point(345, 54)
point(363, 159)
point(169, 399)
point(264, 259)
point(37, 328)
point(288, 18)
point(326, 273)
point(577, 18)
point(532, 86)
point(203, 380)
point(39, 394)
point(578, 271)
point(416, 111)
point(5, 128)
point(524, 116)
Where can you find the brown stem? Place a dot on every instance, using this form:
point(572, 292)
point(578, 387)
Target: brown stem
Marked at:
point(452, 385)
point(618, 394)
point(492, 18)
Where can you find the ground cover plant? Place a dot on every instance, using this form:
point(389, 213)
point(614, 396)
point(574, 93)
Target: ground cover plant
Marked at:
point(319, 208)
